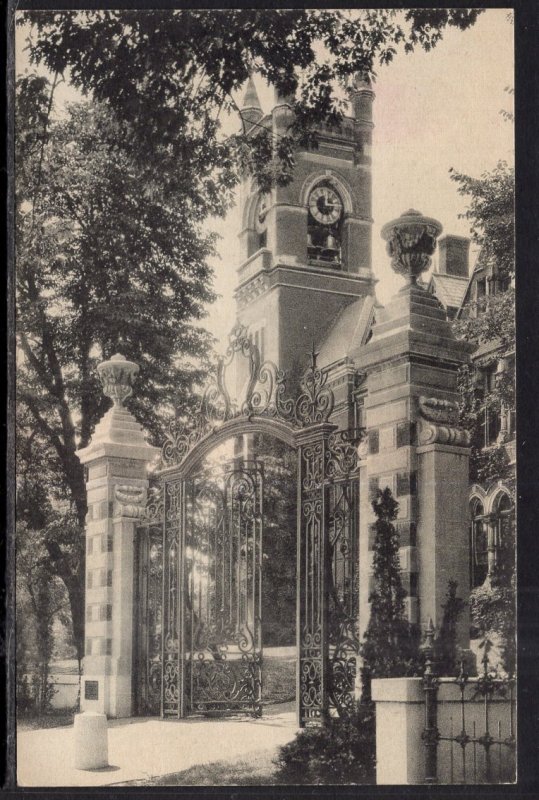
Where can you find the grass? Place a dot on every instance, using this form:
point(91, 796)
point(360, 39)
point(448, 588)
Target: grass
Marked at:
point(278, 680)
point(256, 769)
point(54, 719)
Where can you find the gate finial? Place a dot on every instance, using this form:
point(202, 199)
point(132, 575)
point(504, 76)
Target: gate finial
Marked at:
point(117, 376)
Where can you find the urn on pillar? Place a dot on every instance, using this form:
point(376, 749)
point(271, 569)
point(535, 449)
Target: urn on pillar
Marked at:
point(117, 461)
point(116, 376)
point(411, 241)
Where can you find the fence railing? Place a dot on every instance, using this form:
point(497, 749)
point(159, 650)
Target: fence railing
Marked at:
point(469, 728)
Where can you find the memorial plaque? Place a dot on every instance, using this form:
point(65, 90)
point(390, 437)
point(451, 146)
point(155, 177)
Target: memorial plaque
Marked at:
point(91, 690)
point(127, 468)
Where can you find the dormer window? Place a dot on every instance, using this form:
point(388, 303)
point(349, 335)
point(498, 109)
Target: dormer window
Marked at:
point(324, 224)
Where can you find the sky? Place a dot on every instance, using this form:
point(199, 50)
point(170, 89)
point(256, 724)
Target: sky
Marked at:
point(432, 111)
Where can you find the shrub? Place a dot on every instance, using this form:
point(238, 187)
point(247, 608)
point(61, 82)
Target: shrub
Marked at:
point(342, 752)
point(390, 648)
point(446, 652)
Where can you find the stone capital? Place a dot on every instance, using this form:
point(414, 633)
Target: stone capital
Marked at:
point(432, 433)
point(118, 435)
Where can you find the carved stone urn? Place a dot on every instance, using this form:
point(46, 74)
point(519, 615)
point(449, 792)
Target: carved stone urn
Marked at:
point(116, 376)
point(411, 241)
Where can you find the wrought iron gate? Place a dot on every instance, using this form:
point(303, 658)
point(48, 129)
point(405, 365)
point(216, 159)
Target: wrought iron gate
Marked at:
point(212, 592)
point(208, 624)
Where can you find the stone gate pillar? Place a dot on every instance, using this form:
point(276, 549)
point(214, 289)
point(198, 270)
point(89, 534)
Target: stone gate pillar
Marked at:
point(116, 462)
point(414, 444)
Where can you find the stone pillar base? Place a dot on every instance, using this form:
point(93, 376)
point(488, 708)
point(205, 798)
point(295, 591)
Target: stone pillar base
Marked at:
point(91, 741)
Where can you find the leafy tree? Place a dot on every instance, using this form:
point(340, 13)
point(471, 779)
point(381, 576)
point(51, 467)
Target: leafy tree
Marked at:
point(99, 269)
point(493, 605)
point(186, 64)
point(390, 645)
point(42, 597)
point(490, 322)
point(279, 542)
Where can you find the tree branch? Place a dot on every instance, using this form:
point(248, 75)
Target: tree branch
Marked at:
point(43, 425)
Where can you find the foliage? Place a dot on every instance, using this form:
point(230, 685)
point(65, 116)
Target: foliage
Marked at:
point(187, 64)
point(493, 605)
point(342, 752)
point(445, 644)
point(489, 322)
point(390, 648)
point(41, 598)
point(491, 214)
point(100, 268)
point(279, 542)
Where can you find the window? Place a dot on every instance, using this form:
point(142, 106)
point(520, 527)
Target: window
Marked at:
point(491, 421)
point(504, 538)
point(481, 289)
point(478, 544)
point(257, 338)
point(359, 411)
point(374, 440)
point(374, 485)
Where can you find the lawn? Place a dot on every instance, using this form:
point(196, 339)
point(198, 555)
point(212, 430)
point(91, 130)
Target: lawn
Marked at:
point(256, 769)
point(278, 680)
point(53, 719)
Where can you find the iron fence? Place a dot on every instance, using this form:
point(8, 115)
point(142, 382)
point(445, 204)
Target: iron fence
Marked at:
point(469, 729)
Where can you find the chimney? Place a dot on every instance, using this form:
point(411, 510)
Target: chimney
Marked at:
point(453, 255)
point(362, 96)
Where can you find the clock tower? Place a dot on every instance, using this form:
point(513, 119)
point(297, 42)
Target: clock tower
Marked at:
point(305, 248)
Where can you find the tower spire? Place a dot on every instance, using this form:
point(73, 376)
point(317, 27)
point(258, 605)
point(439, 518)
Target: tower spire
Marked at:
point(250, 98)
point(251, 110)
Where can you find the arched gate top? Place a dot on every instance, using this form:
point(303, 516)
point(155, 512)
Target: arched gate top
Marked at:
point(257, 403)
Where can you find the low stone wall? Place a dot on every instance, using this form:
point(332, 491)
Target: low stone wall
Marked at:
point(400, 721)
point(66, 691)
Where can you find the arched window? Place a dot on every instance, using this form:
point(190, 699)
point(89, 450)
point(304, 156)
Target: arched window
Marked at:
point(504, 538)
point(478, 544)
point(324, 225)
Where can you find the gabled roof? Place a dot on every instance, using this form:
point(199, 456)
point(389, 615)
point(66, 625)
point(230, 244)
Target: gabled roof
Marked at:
point(449, 289)
point(479, 265)
point(347, 333)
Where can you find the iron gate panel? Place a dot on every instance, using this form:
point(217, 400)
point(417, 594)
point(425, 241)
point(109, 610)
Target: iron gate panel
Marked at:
point(172, 683)
point(212, 644)
point(148, 609)
point(311, 602)
point(343, 593)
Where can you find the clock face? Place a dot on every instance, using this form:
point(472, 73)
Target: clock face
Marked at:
point(261, 213)
point(325, 205)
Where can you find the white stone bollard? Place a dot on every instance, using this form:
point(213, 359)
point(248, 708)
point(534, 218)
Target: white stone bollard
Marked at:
point(91, 741)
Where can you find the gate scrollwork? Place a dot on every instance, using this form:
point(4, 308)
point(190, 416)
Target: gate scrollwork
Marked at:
point(263, 394)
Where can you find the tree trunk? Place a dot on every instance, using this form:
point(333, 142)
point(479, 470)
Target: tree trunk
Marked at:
point(74, 583)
